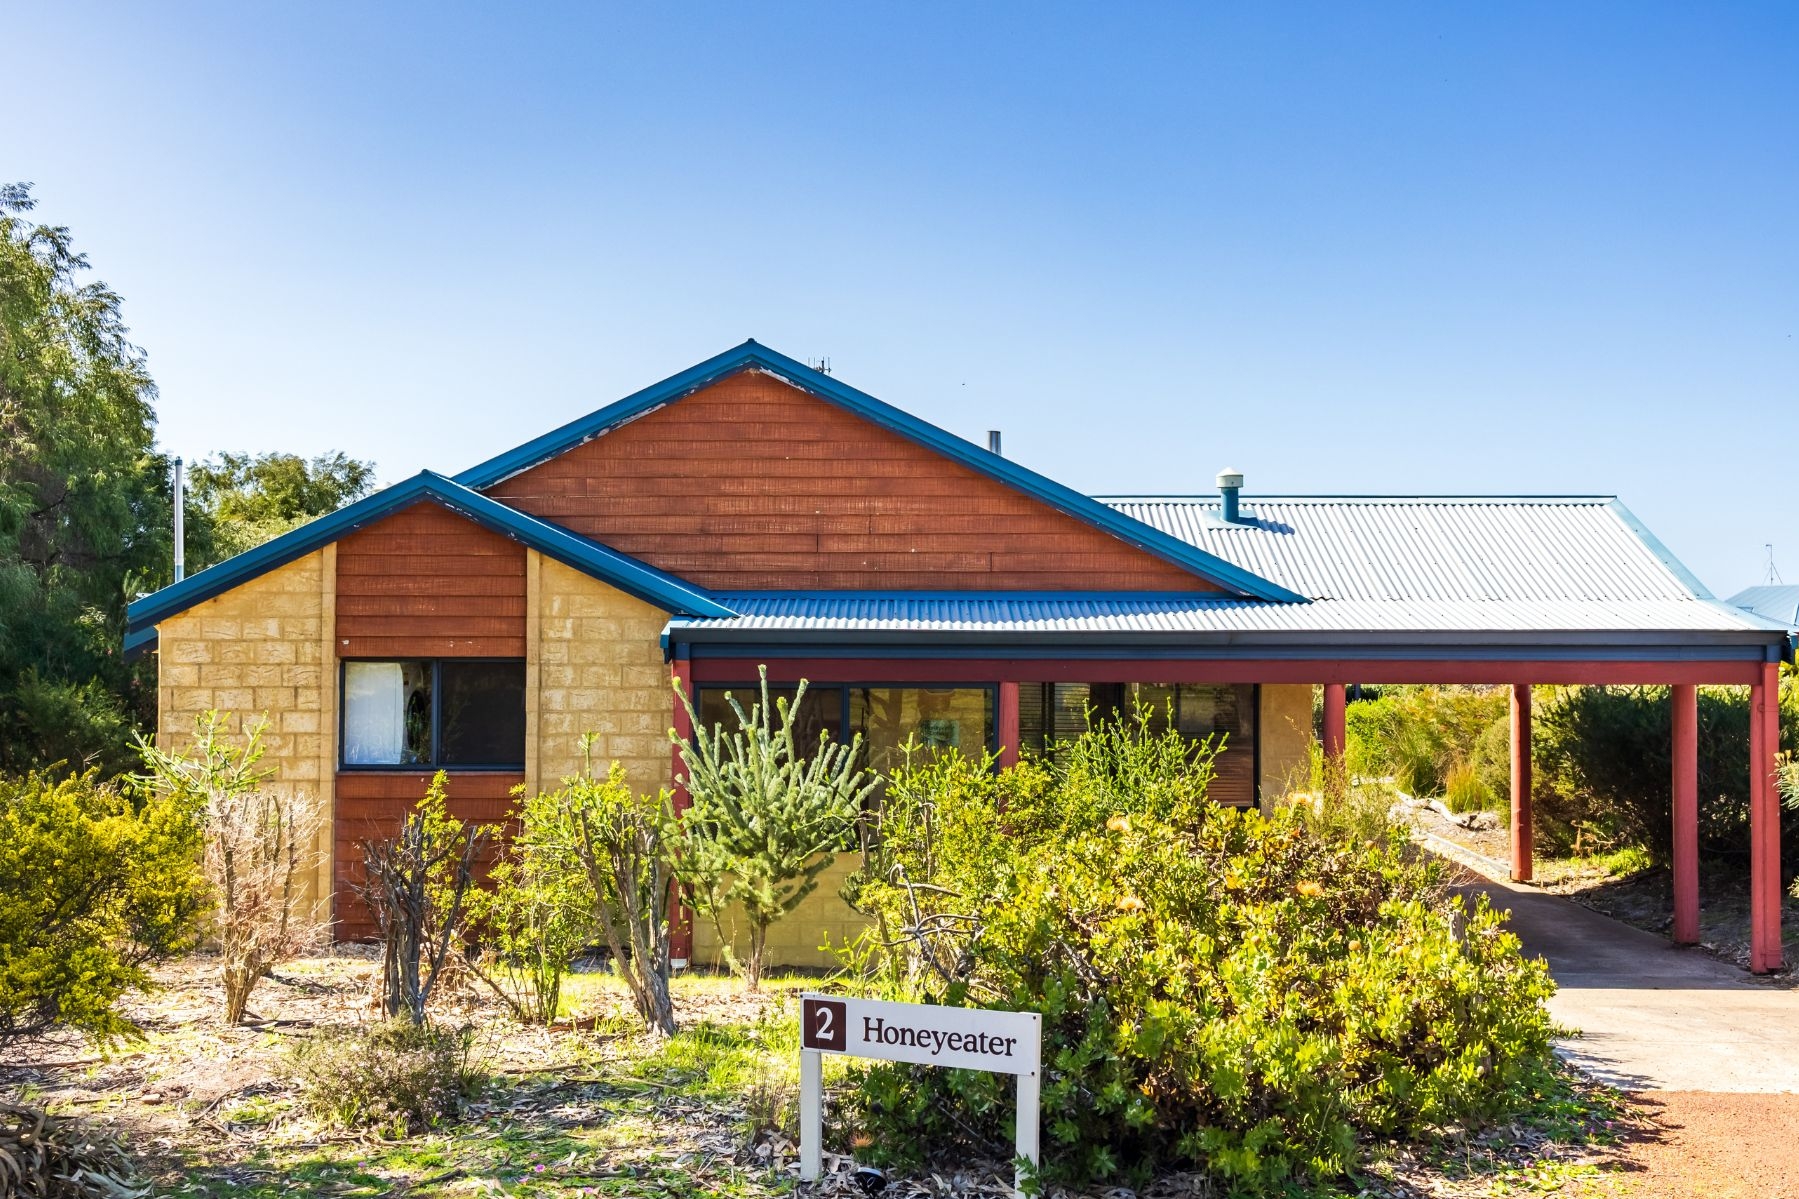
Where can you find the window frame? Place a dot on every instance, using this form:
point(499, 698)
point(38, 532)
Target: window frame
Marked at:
point(436, 764)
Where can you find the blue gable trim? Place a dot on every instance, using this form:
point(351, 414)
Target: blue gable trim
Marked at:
point(635, 578)
point(750, 356)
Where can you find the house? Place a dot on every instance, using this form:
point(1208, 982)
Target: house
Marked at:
point(752, 511)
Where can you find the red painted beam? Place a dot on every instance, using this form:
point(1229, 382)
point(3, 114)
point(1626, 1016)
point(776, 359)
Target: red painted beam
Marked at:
point(680, 916)
point(1335, 707)
point(1523, 832)
point(1685, 732)
point(983, 671)
point(1764, 823)
point(1008, 725)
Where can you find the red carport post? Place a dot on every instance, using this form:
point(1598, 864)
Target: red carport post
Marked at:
point(1685, 698)
point(1764, 822)
point(680, 918)
point(1523, 843)
point(1008, 725)
point(1335, 704)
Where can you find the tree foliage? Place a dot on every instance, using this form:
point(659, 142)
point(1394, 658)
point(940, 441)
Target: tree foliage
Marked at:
point(237, 501)
point(93, 886)
point(767, 817)
point(84, 501)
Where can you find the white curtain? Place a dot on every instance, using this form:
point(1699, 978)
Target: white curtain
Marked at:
point(374, 713)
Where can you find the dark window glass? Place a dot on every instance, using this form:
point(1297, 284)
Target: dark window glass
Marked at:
point(821, 711)
point(1049, 713)
point(448, 713)
point(928, 720)
point(481, 713)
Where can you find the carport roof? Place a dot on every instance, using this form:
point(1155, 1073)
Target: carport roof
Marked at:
point(1460, 574)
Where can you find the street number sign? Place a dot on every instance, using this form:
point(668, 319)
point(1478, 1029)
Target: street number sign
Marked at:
point(924, 1033)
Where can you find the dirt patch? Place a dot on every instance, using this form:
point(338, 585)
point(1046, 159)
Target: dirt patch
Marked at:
point(1693, 1143)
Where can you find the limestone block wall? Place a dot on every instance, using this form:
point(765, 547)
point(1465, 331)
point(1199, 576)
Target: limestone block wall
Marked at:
point(599, 669)
point(793, 941)
point(262, 649)
point(1286, 734)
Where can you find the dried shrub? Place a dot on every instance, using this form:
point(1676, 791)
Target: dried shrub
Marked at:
point(395, 1077)
point(55, 1157)
point(417, 884)
point(259, 845)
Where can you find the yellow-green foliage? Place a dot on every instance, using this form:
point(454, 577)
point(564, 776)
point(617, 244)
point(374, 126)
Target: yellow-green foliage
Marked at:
point(1253, 996)
point(92, 886)
point(1418, 735)
point(537, 911)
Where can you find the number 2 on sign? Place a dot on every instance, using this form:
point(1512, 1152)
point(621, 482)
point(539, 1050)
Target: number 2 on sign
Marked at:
point(822, 1029)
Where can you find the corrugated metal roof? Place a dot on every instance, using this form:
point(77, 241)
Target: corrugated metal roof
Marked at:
point(1443, 550)
point(973, 613)
point(1776, 603)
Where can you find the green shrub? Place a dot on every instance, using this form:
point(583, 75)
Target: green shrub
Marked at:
point(1605, 756)
point(92, 887)
point(1418, 735)
point(1245, 994)
point(537, 911)
point(396, 1077)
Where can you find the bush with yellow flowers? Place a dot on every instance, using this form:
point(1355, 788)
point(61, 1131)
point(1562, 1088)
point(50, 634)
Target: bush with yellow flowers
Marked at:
point(1252, 996)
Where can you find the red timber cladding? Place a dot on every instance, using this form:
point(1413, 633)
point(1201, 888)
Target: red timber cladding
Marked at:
point(423, 583)
point(427, 583)
point(371, 806)
point(751, 484)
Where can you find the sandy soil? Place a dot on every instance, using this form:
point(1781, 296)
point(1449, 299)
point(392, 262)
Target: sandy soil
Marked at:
point(1691, 1144)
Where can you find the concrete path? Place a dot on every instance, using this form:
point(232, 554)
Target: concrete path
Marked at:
point(1653, 1017)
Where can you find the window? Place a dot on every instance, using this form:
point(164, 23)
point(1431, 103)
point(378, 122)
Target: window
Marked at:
point(466, 713)
point(1053, 712)
point(933, 719)
point(820, 712)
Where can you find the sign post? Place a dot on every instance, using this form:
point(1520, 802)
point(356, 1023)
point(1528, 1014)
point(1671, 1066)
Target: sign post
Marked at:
point(928, 1034)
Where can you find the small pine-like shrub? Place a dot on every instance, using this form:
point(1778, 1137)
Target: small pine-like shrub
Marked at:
point(1245, 994)
point(395, 1077)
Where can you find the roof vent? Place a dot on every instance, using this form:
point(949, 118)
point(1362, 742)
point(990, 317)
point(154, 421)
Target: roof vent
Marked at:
point(993, 441)
point(1230, 484)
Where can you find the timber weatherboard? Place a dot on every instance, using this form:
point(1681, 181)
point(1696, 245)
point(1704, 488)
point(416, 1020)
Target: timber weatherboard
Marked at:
point(753, 356)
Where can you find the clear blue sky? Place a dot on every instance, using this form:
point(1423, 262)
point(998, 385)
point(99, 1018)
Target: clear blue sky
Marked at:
point(1364, 248)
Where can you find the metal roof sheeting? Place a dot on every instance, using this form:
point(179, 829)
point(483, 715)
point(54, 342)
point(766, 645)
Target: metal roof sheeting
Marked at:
point(1777, 603)
point(1454, 550)
point(851, 612)
point(1505, 566)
